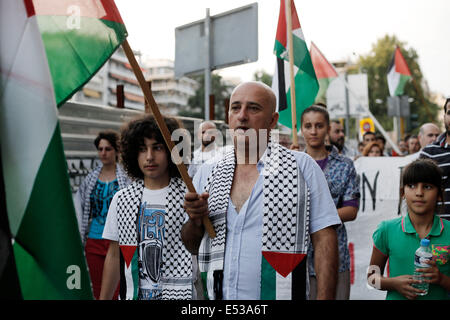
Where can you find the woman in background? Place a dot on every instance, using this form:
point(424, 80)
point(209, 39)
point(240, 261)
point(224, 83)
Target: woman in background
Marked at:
point(92, 203)
point(343, 183)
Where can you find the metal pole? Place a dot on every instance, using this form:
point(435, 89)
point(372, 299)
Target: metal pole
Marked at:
point(105, 93)
point(208, 63)
point(120, 96)
point(396, 128)
point(375, 121)
point(347, 109)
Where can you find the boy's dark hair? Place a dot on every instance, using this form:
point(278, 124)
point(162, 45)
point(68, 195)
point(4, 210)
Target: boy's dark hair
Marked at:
point(132, 138)
point(411, 136)
point(406, 138)
point(335, 121)
point(369, 133)
point(380, 137)
point(422, 170)
point(109, 135)
point(316, 108)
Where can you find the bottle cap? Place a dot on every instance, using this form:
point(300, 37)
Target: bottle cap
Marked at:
point(425, 242)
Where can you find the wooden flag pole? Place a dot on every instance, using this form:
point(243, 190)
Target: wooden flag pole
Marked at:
point(291, 71)
point(163, 127)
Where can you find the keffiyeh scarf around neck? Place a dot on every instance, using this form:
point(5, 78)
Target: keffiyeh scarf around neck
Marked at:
point(285, 226)
point(176, 277)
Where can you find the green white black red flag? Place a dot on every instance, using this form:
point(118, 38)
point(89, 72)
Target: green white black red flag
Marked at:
point(48, 50)
point(398, 74)
point(306, 85)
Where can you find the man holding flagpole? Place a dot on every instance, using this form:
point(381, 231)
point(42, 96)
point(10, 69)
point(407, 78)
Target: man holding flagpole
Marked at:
point(266, 203)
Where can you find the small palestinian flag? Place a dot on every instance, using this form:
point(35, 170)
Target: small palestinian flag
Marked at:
point(283, 276)
point(325, 72)
point(398, 74)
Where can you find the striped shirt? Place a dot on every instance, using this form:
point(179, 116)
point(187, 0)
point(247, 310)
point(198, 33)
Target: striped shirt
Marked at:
point(439, 151)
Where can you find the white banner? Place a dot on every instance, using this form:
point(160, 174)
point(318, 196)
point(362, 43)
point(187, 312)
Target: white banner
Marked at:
point(380, 195)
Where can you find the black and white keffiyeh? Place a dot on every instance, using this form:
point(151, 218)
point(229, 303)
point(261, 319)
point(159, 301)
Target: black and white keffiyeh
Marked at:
point(176, 279)
point(285, 211)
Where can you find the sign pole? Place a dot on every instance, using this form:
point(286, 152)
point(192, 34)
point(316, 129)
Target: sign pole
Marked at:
point(208, 63)
point(347, 109)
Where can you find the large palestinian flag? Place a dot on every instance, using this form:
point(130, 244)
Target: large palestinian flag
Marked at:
point(306, 85)
point(48, 49)
point(325, 72)
point(398, 74)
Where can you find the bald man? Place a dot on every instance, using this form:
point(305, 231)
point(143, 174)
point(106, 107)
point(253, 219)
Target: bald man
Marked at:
point(428, 133)
point(208, 149)
point(265, 203)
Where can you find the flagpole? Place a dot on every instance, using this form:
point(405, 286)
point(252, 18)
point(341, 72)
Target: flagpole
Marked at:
point(291, 72)
point(163, 128)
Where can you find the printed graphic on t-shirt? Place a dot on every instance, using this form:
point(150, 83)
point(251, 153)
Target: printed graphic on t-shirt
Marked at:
point(151, 243)
point(101, 198)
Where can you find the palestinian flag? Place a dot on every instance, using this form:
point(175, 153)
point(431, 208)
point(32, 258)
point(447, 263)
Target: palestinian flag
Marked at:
point(306, 85)
point(283, 276)
point(398, 74)
point(79, 37)
point(325, 72)
point(48, 49)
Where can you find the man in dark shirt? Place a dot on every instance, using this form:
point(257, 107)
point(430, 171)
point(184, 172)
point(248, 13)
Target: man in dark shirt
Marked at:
point(439, 151)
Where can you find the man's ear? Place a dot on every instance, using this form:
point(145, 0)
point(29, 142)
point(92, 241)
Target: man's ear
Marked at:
point(275, 117)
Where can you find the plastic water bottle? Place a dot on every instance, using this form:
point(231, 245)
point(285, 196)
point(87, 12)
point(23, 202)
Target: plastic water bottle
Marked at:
point(422, 256)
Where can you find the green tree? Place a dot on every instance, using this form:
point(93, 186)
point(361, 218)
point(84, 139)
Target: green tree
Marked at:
point(263, 76)
point(376, 63)
point(196, 103)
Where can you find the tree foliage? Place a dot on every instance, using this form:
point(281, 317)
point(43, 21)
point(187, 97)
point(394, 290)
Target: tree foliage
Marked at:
point(376, 64)
point(220, 90)
point(263, 76)
point(196, 103)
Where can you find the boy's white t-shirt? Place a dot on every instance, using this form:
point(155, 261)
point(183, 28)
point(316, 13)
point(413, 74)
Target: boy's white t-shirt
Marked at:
point(151, 236)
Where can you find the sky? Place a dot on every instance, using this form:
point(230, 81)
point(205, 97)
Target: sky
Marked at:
point(342, 30)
